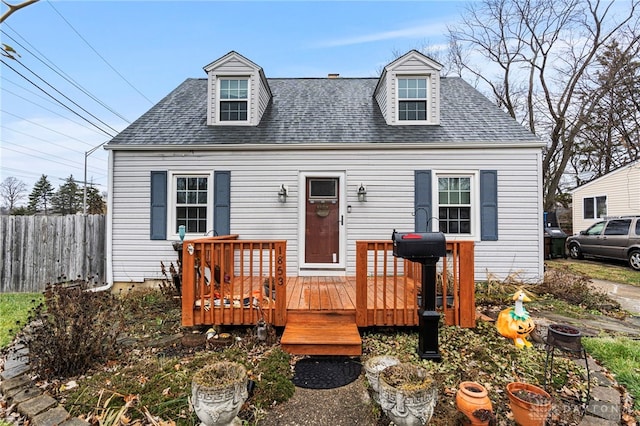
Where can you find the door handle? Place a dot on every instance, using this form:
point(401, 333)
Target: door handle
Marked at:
point(342, 220)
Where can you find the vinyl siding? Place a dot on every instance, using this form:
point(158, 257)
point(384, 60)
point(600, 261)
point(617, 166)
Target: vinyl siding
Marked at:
point(622, 189)
point(387, 174)
point(259, 95)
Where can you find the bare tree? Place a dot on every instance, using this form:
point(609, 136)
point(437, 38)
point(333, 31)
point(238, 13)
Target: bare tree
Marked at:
point(611, 138)
point(14, 8)
point(12, 191)
point(536, 57)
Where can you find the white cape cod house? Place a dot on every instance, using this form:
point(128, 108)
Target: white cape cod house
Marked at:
point(323, 163)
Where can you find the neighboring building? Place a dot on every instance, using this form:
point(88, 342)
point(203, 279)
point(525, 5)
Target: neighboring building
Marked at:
point(323, 163)
point(615, 194)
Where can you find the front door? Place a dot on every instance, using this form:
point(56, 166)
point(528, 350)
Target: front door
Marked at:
point(323, 221)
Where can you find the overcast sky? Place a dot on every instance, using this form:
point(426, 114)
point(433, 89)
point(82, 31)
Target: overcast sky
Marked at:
point(89, 68)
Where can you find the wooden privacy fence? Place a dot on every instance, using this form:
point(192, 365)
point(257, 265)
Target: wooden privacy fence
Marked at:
point(36, 250)
point(399, 281)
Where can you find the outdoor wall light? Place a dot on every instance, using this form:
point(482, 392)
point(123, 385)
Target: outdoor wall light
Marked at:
point(362, 193)
point(282, 193)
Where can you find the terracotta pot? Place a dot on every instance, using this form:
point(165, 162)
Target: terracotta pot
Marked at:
point(408, 403)
point(472, 396)
point(527, 413)
point(216, 397)
point(372, 369)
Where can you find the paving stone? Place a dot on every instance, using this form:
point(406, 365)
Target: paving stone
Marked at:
point(596, 421)
point(52, 417)
point(25, 395)
point(13, 383)
point(14, 372)
point(593, 366)
point(16, 357)
point(37, 405)
point(74, 421)
point(607, 394)
point(601, 379)
point(605, 410)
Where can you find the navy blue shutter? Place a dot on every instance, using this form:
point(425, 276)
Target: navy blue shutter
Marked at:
point(422, 201)
point(489, 205)
point(158, 229)
point(222, 202)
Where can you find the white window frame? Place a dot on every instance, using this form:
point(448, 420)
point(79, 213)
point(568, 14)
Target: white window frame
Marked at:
point(426, 77)
point(220, 101)
point(172, 233)
point(594, 201)
point(474, 214)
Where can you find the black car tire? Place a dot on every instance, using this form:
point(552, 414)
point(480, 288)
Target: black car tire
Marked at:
point(634, 259)
point(575, 252)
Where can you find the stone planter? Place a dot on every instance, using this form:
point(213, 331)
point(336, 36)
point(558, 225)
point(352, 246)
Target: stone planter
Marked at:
point(217, 393)
point(530, 404)
point(372, 369)
point(407, 395)
point(472, 397)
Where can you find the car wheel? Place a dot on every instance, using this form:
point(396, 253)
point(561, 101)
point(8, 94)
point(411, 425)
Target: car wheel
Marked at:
point(575, 252)
point(634, 259)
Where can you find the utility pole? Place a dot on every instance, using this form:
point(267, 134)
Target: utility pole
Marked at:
point(86, 155)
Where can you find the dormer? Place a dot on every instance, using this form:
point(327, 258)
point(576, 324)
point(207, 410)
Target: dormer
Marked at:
point(408, 92)
point(237, 91)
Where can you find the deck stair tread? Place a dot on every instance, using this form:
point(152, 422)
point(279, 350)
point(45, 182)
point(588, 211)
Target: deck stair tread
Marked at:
point(321, 334)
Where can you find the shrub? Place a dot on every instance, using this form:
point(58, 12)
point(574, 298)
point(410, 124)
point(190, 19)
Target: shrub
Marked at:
point(72, 330)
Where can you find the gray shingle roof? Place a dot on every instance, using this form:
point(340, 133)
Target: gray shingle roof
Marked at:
point(322, 110)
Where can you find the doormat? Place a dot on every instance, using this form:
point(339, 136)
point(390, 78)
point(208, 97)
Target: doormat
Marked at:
point(325, 372)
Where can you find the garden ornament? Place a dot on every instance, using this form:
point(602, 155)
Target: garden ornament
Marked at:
point(515, 322)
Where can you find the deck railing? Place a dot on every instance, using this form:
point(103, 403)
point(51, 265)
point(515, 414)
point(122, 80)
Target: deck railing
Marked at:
point(378, 272)
point(233, 282)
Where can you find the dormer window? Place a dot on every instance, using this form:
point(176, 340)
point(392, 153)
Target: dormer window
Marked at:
point(234, 99)
point(412, 98)
point(408, 91)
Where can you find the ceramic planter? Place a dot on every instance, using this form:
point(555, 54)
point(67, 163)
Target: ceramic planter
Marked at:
point(531, 410)
point(372, 369)
point(407, 395)
point(218, 392)
point(472, 396)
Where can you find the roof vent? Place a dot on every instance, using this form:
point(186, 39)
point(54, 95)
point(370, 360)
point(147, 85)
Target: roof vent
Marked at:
point(334, 75)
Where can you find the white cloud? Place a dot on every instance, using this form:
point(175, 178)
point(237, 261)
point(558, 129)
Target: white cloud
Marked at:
point(420, 31)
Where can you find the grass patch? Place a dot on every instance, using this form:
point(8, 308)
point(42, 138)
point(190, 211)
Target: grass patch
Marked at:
point(601, 270)
point(621, 356)
point(14, 311)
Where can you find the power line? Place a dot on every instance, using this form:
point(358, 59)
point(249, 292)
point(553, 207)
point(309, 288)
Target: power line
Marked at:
point(51, 96)
point(48, 158)
point(44, 127)
point(100, 56)
point(64, 75)
point(43, 107)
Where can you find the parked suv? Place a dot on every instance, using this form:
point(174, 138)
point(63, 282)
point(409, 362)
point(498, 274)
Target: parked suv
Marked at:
point(614, 238)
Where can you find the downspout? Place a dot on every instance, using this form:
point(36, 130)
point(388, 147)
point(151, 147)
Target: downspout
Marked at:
point(109, 230)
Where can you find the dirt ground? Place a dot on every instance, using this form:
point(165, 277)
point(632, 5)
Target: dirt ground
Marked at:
point(343, 406)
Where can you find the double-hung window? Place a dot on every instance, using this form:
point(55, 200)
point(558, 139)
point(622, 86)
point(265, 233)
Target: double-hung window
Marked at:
point(412, 98)
point(455, 212)
point(191, 194)
point(595, 207)
point(234, 99)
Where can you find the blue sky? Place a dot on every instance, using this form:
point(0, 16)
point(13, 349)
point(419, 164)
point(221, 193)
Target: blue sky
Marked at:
point(129, 55)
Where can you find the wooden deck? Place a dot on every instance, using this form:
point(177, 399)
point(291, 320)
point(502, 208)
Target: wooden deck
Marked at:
point(227, 281)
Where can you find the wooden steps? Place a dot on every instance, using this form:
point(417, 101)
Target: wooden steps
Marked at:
point(321, 333)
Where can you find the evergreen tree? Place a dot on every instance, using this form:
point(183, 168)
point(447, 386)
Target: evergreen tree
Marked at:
point(68, 198)
point(95, 201)
point(40, 197)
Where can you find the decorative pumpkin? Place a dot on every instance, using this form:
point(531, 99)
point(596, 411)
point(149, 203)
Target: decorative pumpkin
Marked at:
point(515, 322)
